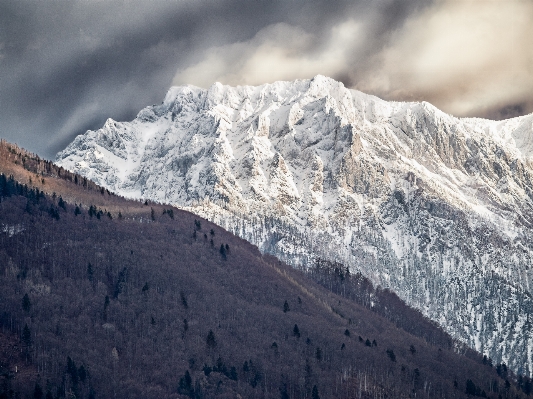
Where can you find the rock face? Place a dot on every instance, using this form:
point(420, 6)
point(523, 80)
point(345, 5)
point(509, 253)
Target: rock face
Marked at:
point(436, 208)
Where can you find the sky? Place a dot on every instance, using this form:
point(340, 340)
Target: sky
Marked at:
point(67, 66)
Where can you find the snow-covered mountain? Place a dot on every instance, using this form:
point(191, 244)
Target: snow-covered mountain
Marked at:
point(439, 209)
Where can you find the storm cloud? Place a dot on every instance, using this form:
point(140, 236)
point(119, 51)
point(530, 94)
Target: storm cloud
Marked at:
point(66, 67)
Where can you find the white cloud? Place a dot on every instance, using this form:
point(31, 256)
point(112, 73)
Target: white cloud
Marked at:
point(464, 56)
point(278, 52)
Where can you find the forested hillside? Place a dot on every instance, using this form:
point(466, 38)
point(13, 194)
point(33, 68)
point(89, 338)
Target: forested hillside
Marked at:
point(106, 297)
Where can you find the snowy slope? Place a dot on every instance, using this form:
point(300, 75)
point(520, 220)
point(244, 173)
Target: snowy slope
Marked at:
point(437, 208)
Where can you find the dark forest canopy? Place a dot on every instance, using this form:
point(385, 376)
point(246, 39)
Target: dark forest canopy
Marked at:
point(103, 297)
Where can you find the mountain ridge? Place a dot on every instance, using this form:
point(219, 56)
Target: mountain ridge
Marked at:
point(437, 208)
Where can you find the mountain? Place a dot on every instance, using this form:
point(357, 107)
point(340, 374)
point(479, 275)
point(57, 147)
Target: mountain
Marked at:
point(436, 208)
point(108, 297)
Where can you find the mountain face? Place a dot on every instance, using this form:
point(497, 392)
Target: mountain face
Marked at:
point(436, 208)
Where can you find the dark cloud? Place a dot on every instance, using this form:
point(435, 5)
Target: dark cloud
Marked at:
point(67, 66)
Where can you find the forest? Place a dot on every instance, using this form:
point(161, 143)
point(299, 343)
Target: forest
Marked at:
point(104, 297)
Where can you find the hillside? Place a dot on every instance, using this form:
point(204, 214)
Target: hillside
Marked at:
point(117, 298)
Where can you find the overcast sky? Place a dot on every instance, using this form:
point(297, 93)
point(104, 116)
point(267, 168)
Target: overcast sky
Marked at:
point(66, 66)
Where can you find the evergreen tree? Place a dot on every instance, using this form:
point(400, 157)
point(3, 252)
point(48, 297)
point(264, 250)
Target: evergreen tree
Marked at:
point(185, 385)
point(185, 326)
point(470, 388)
point(38, 391)
point(54, 214)
point(210, 340)
point(26, 304)
point(90, 272)
point(318, 354)
point(106, 304)
point(233, 374)
point(121, 282)
point(296, 331)
point(82, 373)
point(72, 370)
point(26, 335)
point(283, 392)
point(286, 307)
point(183, 300)
point(314, 394)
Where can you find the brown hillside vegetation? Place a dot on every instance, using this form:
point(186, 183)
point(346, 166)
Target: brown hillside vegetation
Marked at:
point(114, 298)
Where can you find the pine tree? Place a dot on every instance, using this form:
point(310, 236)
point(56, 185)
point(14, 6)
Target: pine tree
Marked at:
point(38, 392)
point(286, 307)
point(185, 385)
point(26, 335)
point(314, 394)
point(90, 272)
point(26, 304)
point(470, 388)
point(183, 300)
point(318, 354)
point(296, 331)
point(106, 304)
point(82, 373)
point(283, 392)
point(210, 340)
point(146, 287)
